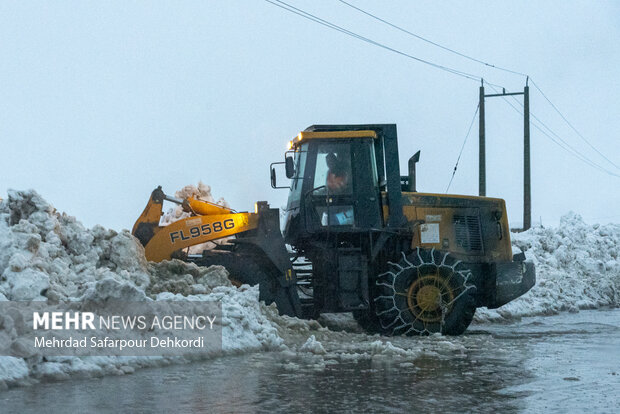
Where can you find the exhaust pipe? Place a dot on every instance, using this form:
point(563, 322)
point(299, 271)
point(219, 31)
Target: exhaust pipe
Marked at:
point(412, 162)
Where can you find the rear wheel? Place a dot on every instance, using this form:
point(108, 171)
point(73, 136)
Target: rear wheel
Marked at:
point(426, 292)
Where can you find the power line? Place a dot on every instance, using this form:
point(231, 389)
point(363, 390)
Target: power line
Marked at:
point(572, 127)
point(462, 147)
point(564, 145)
point(568, 148)
point(326, 23)
point(486, 64)
point(430, 41)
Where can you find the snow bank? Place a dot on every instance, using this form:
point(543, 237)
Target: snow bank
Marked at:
point(577, 267)
point(45, 255)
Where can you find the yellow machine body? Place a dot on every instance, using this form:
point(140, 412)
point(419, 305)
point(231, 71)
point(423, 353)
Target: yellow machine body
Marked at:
point(438, 230)
point(452, 223)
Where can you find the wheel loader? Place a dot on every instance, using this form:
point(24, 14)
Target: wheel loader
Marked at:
point(356, 237)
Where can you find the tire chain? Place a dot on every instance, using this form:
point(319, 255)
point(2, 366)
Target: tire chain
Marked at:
point(465, 275)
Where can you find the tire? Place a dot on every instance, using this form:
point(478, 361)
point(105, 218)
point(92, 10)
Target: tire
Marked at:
point(368, 320)
point(426, 292)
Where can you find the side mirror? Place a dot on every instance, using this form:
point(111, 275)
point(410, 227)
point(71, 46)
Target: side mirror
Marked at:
point(273, 177)
point(272, 171)
point(290, 167)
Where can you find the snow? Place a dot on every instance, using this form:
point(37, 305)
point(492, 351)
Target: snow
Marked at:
point(45, 255)
point(313, 346)
point(12, 370)
point(200, 192)
point(577, 267)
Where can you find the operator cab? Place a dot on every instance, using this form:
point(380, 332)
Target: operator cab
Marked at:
point(334, 185)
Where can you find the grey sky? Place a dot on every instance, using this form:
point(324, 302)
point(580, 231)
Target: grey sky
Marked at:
point(102, 101)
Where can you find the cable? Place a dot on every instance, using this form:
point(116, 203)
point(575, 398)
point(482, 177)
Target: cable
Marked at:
point(568, 148)
point(572, 127)
point(309, 16)
point(430, 41)
point(556, 135)
point(326, 23)
point(462, 147)
point(486, 64)
point(552, 132)
point(565, 146)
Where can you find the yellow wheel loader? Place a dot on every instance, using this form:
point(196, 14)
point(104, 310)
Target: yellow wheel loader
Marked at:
point(357, 238)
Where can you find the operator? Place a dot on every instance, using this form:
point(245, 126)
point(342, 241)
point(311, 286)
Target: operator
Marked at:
point(338, 176)
point(338, 182)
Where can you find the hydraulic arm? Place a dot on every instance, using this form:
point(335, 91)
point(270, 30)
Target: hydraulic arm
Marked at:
point(209, 222)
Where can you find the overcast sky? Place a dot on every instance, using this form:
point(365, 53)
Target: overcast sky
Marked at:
point(100, 102)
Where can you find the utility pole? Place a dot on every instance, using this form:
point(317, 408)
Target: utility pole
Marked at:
point(482, 168)
point(527, 187)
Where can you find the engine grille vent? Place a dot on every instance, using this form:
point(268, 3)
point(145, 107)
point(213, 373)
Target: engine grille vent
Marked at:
point(468, 233)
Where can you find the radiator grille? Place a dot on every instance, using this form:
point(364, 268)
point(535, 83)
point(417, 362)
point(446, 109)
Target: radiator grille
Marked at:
point(468, 233)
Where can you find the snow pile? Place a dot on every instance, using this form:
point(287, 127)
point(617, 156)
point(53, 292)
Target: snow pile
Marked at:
point(577, 267)
point(45, 255)
point(201, 192)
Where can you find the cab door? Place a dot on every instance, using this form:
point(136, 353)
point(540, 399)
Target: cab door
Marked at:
point(366, 182)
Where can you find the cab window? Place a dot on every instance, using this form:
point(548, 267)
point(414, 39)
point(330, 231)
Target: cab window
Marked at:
point(333, 168)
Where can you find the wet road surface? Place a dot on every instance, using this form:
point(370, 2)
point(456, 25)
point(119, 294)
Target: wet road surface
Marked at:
point(563, 363)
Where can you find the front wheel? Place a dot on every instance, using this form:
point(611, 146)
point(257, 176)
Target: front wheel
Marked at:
point(367, 319)
point(426, 292)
